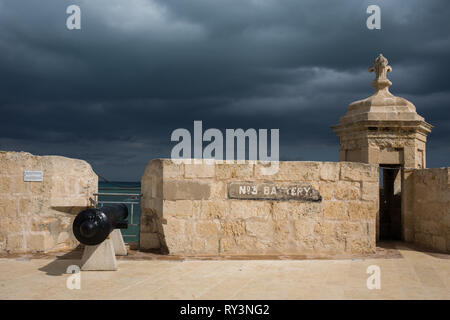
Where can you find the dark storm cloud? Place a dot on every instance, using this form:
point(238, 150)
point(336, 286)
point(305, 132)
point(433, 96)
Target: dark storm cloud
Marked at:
point(113, 92)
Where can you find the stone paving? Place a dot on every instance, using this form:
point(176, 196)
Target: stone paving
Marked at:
point(408, 274)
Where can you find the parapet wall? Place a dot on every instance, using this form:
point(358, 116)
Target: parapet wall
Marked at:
point(37, 216)
point(197, 208)
point(426, 208)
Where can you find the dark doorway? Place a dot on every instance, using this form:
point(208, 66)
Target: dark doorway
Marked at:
point(390, 202)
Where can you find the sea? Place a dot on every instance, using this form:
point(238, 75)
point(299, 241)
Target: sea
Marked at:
point(111, 192)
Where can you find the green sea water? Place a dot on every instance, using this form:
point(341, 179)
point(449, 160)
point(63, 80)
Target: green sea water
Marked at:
point(128, 193)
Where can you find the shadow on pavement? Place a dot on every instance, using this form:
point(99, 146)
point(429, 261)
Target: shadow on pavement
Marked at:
point(407, 246)
point(59, 266)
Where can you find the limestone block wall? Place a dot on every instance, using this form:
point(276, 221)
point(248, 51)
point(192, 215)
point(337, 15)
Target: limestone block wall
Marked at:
point(426, 208)
point(186, 209)
point(397, 145)
point(37, 216)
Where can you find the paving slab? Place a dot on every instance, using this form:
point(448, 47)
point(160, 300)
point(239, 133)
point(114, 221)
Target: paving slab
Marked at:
point(406, 273)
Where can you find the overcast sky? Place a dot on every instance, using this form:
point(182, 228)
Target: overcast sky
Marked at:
point(112, 92)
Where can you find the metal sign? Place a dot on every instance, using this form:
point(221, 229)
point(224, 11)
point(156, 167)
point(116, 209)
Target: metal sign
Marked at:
point(33, 176)
point(272, 191)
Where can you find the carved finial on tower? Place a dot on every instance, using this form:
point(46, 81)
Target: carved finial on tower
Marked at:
point(381, 68)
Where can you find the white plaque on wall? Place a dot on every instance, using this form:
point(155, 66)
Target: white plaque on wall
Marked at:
point(33, 176)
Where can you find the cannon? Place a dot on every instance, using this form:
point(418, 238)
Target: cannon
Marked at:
point(93, 226)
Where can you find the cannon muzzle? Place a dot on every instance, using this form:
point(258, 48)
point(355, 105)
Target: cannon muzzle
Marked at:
point(93, 226)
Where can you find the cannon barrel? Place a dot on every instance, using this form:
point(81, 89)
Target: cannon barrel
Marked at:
point(93, 226)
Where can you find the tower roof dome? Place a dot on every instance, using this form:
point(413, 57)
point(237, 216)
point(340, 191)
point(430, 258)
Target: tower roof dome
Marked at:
point(382, 104)
point(383, 129)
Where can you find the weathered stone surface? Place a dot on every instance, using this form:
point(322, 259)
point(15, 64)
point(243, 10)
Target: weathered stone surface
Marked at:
point(324, 227)
point(233, 228)
point(203, 170)
point(245, 210)
point(234, 171)
point(361, 246)
point(326, 190)
point(370, 190)
point(198, 217)
point(294, 210)
point(216, 209)
point(346, 229)
point(329, 171)
point(291, 171)
point(427, 218)
point(207, 229)
point(439, 243)
point(180, 208)
point(40, 241)
point(15, 242)
point(362, 211)
point(148, 221)
point(259, 228)
point(218, 190)
point(347, 191)
point(304, 229)
point(173, 170)
point(335, 210)
point(173, 226)
point(186, 190)
point(353, 171)
point(149, 241)
point(37, 216)
point(205, 246)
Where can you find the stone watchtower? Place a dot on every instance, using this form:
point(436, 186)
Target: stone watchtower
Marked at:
point(386, 130)
point(383, 129)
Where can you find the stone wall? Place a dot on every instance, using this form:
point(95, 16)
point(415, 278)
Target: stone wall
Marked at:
point(186, 209)
point(426, 208)
point(37, 216)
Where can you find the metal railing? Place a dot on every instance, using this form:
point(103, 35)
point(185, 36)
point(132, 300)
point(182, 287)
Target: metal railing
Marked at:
point(132, 202)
